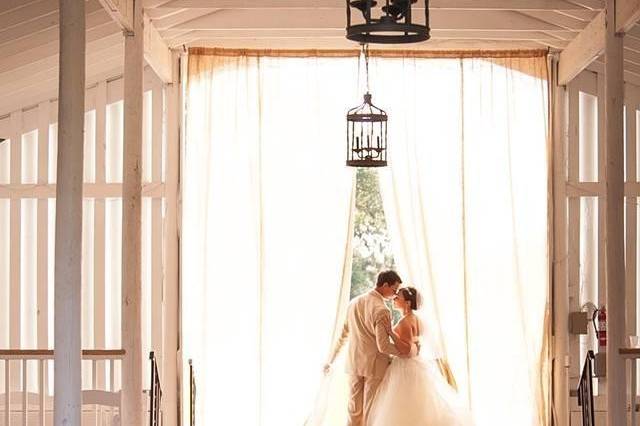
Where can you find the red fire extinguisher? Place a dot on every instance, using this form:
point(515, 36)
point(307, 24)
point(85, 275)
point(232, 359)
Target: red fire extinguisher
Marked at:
point(602, 327)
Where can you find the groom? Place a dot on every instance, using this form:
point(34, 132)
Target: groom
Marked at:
point(367, 327)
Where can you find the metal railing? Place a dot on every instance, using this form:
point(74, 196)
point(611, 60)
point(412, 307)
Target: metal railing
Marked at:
point(585, 391)
point(192, 395)
point(155, 394)
point(20, 405)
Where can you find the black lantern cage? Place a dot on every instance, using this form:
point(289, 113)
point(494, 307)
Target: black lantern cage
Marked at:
point(393, 24)
point(366, 135)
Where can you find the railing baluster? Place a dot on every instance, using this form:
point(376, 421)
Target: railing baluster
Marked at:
point(94, 373)
point(633, 392)
point(192, 395)
point(43, 391)
point(7, 393)
point(112, 375)
point(25, 389)
point(24, 358)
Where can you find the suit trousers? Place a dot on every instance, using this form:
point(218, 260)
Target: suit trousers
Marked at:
point(362, 392)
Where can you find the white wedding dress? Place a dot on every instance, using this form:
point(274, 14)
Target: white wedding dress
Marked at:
point(414, 392)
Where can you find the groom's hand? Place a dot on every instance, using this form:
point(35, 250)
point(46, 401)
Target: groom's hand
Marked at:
point(327, 369)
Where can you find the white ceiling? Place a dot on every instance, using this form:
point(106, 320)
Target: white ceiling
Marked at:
point(29, 32)
point(456, 24)
point(29, 50)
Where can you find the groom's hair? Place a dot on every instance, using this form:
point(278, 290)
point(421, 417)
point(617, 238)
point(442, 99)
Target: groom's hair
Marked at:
point(390, 277)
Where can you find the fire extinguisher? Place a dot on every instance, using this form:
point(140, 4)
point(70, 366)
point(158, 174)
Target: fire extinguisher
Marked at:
point(602, 327)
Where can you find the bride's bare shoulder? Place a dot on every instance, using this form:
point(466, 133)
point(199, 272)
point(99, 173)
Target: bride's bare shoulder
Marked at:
point(405, 323)
point(410, 324)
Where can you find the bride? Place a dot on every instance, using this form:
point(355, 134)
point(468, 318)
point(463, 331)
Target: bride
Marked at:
point(413, 391)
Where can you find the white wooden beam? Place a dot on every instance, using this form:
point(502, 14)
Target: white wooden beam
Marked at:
point(99, 59)
point(157, 126)
point(90, 190)
point(494, 20)
point(614, 223)
point(11, 33)
point(589, 4)
point(180, 17)
point(171, 312)
point(562, 21)
point(68, 242)
point(15, 294)
point(121, 11)
point(581, 52)
point(28, 12)
point(99, 242)
point(631, 111)
point(436, 34)
point(573, 230)
point(132, 405)
point(560, 250)
point(43, 224)
point(337, 36)
point(156, 52)
point(339, 4)
point(629, 77)
point(585, 15)
point(343, 43)
point(42, 48)
point(627, 14)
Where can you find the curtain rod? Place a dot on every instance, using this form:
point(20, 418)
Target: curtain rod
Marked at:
point(303, 53)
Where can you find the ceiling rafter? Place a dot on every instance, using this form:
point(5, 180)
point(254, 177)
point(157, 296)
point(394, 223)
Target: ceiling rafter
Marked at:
point(12, 5)
point(562, 21)
point(340, 4)
point(48, 22)
point(333, 18)
point(49, 51)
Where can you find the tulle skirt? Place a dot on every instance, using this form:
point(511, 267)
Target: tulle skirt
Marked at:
point(414, 393)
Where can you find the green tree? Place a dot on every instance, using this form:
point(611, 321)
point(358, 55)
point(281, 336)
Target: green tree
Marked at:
point(371, 244)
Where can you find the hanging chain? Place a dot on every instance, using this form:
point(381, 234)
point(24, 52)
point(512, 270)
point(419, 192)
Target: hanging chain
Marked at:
point(365, 52)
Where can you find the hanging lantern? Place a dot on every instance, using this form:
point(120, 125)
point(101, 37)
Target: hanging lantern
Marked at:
point(366, 135)
point(366, 130)
point(393, 24)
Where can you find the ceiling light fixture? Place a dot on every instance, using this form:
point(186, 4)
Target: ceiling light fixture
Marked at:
point(393, 25)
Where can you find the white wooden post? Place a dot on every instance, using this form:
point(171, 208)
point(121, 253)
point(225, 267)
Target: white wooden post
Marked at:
point(561, 290)
point(43, 223)
point(132, 402)
point(573, 228)
point(171, 281)
point(15, 229)
point(99, 295)
point(614, 198)
point(99, 221)
point(156, 223)
point(631, 207)
point(68, 242)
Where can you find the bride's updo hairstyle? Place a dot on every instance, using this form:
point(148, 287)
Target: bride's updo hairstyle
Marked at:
point(412, 296)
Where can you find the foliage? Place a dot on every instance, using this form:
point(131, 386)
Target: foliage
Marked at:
point(372, 251)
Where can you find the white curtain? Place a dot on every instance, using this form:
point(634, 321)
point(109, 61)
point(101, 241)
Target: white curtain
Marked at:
point(266, 215)
point(466, 203)
point(266, 228)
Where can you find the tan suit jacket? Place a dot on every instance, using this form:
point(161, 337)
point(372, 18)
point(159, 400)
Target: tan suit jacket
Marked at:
point(367, 329)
